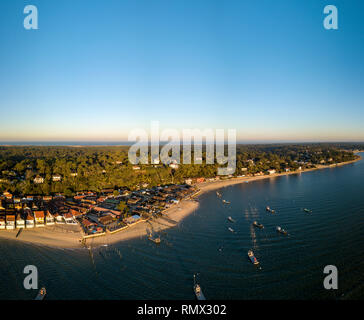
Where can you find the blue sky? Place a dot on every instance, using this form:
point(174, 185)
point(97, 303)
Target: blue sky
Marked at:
point(94, 70)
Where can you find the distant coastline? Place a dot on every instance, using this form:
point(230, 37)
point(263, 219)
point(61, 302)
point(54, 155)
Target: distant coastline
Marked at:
point(213, 185)
point(58, 236)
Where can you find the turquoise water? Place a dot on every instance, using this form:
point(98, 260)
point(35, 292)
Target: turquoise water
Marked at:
point(291, 267)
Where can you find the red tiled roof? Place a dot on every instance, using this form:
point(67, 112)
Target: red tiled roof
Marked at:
point(39, 214)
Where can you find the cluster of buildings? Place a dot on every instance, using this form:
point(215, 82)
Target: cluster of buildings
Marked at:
point(95, 212)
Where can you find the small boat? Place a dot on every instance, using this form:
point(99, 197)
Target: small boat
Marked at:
point(269, 209)
point(155, 240)
point(41, 294)
point(218, 194)
point(227, 202)
point(280, 230)
point(231, 229)
point(258, 225)
point(307, 210)
point(197, 289)
point(231, 219)
point(252, 258)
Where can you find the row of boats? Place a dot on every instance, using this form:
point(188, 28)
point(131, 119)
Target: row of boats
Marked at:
point(258, 225)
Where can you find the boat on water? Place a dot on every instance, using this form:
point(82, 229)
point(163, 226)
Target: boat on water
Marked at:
point(231, 219)
point(231, 229)
point(282, 231)
point(41, 294)
point(197, 289)
point(227, 202)
point(307, 210)
point(218, 194)
point(269, 209)
point(155, 240)
point(252, 258)
point(258, 225)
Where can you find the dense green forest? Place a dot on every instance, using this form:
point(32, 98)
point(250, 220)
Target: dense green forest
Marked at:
point(96, 168)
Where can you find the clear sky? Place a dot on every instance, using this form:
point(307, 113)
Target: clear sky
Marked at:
point(94, 70)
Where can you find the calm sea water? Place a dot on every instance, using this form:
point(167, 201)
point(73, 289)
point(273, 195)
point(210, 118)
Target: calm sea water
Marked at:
point(291, 267)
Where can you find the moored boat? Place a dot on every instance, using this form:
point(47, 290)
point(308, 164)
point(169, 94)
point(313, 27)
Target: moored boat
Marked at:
point(258, 225)
point(197, 289)
point(231, 229)
point(231, 219)
point(269, 209)
point(224, 201)
point(307, 210)
point(41, 294)
point(252, 258)
point(155, 240)
point(282, 231)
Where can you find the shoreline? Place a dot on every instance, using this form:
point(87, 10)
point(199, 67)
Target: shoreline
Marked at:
point(213, 185)
point(66, 236)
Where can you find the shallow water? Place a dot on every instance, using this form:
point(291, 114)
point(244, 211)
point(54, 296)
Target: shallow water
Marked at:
point(291, 267)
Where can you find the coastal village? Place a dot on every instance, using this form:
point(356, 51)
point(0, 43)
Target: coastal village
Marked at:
point(95, 213)
point(111, 210)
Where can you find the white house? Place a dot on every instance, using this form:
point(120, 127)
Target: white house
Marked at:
point(271, 171)
point(2, 223)
point(29, 221)
point(59, 218)
point(68, 217)
point(38, 180)
point(49, 219)
point(20, 223)
point(39, 218)
point(56, 177)
point(10, 222)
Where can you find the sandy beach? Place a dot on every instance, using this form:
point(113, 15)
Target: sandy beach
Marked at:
point(68, 236)
point(61, 235)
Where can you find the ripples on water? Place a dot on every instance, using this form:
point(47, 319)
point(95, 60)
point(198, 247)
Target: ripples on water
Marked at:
point(291, 266)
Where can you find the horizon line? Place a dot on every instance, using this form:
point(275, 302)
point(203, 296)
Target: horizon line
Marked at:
point(129, 143)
